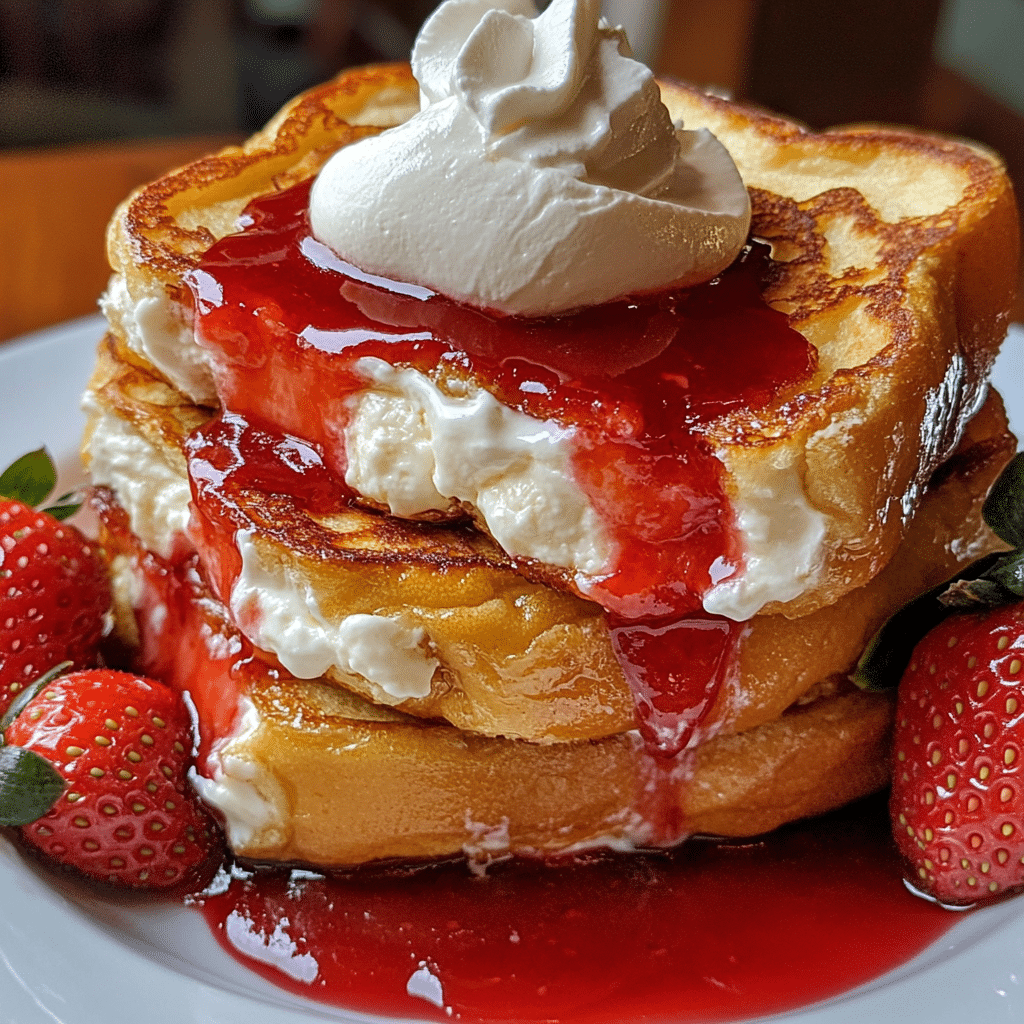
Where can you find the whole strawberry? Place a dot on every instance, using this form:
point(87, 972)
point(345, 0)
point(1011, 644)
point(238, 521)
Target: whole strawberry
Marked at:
point(958, 789)
point(957, 800)
point(54, 586)
point(94, 770)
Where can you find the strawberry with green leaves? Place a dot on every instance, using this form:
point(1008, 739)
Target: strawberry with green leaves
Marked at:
point(93, 771)
point(54, 585)
point(957, 799)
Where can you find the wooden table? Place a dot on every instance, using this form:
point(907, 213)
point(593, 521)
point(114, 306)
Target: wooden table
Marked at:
point(54, 208)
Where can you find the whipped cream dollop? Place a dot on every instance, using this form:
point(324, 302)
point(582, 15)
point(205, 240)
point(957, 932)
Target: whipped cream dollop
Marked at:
point(413, 447)
point(542, 173)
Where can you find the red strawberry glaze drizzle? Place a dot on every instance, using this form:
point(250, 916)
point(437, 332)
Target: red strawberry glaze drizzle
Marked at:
point(708, 932)
point(712, 932)
point(183, 639)
point(285, 321)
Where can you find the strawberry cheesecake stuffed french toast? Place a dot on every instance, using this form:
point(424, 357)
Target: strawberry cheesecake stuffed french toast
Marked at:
point(514, 455)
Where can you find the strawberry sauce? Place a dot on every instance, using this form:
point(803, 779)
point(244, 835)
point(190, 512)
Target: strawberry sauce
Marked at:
point(179, 626)
point(286, 321)
point(711, 932)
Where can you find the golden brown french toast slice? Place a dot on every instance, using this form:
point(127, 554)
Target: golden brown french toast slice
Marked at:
point(307, 771)
point(895, 255)
point(412, 789)
point(514, 656)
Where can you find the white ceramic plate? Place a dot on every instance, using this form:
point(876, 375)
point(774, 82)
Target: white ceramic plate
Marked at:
point(66, 958)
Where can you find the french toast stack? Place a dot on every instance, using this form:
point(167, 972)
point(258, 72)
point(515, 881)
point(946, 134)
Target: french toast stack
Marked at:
point(894, 254)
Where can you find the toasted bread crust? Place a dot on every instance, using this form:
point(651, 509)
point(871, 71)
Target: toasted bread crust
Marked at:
point(164, 228)
point(898, 260)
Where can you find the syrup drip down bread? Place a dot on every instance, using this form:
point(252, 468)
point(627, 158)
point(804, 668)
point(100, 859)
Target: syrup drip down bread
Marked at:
point(529, 536)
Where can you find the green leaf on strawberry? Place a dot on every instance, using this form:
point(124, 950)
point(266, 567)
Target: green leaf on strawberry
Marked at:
point(1003, 510)
point(67, 505)
point(1008, 573)
point(31, 479)
point(29, 786)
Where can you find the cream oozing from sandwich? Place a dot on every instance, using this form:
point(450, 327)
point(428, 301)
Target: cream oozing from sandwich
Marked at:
point(274, 608)
point(154, 492)
point(414, 447)
point(542, 173)
point(278, 611)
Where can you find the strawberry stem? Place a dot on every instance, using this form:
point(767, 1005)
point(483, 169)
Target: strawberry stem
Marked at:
point(975, 595)
point(29, 479)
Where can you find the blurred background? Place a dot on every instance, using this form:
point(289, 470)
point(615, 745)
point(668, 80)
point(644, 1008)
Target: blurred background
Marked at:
point(89, 70)
point(88, 73)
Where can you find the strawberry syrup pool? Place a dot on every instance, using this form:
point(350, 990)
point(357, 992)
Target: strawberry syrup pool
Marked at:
point(710, 932)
